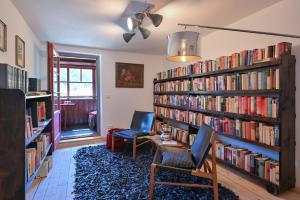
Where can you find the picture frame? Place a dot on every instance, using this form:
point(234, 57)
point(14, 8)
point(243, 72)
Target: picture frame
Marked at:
point(3, 36)
point(20, 52)
point(129, 75)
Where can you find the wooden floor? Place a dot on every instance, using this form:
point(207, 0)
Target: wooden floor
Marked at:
point(59, 183)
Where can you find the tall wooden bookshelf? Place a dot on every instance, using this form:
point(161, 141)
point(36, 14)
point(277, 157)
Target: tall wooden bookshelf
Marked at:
point(285, 152)
point(13, 104)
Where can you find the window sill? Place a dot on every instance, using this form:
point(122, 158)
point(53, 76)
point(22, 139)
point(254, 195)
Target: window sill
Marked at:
point(77, 98)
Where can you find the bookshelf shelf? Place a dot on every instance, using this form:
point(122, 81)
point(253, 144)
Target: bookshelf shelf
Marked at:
point(285, 122)
point(172, 79)
point(171, 120)
point(33, 176)
point(172, 93)
point(171, 106)
point(238, 116)
point(39, 131)
point(238, 93)
point(256, 178)
point(267, 64)
point(273, 148)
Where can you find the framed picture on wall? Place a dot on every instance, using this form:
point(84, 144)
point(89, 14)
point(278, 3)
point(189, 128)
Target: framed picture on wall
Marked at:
point(20, 52)
point(129, 75)
point(3, 36)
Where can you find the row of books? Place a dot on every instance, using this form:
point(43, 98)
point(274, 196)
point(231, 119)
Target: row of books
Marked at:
point(173, 100)
point(249, 130)
point(13, 78)
point(175, 114)
point(246, 57)
point(34, 154)
point(256, 80)
point(172, 73)
point(178, 134)
point(172, 86)
point(249, 105)
point(254, 163)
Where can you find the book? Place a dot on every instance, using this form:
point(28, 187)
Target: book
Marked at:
point(170, 113)
point(171, 100)
point(172, 86)
point(243, 58)
point(172, 73)
point(254, 163)
point(250, 130)
point(262, 80)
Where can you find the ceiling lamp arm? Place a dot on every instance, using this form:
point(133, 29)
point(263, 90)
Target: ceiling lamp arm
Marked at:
point(241, 30)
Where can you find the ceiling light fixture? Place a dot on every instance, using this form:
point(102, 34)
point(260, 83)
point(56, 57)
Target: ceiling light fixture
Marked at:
point(132, 23)
point(145, 32)
point(136, 22)
point(183, 46)
point(128, 36)
point(155, 18)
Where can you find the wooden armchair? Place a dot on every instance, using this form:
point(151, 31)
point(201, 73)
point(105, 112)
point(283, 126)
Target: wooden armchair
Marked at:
point(141, 125)
point(204, 140)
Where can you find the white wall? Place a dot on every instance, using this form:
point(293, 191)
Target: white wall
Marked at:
point(118, 104)
point(282, 17)
point(16, 25)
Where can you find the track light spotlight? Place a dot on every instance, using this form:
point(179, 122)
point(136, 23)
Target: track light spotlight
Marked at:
point(127, 36)
point(132, 23)
point(145, 32)
point(139, 16)
point(155, 18)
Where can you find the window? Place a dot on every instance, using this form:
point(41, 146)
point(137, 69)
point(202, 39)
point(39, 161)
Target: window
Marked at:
point(77, 82)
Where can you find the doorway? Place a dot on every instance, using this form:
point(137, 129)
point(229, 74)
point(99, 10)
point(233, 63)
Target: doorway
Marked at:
point(78, 84)
point(78, 97)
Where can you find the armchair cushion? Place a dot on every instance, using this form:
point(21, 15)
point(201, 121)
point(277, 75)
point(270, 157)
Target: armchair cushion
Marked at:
point(129, 134)
point(178, 159)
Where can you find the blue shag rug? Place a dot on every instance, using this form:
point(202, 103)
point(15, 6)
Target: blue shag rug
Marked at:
point(101, 174)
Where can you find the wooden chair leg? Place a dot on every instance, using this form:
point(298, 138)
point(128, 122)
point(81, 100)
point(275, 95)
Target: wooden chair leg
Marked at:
point(214, 170)
point(152, 180)
point(134, 148)
point(112, 143)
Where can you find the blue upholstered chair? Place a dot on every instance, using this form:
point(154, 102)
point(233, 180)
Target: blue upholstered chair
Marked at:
point(204, 141)
point(141, 125)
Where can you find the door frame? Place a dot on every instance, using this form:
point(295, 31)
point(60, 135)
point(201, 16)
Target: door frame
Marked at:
point(98, 82)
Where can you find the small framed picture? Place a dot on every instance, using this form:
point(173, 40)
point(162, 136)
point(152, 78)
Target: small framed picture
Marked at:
point(3, 36)
point(129, 75)
point(20, 52)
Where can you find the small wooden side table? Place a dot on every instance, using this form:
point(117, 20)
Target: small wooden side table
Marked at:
point(156, 141)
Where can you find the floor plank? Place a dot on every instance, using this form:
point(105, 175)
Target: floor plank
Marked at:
point(59, 183)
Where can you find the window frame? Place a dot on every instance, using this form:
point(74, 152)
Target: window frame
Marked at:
point(93, 68)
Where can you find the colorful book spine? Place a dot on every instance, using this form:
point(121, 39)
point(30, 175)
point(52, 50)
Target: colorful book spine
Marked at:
point(243, 58)
point(254, 163)
point(171, 100)
point(249, 130)
point(175, 114)
point(261, 80)
point(172, 86)
point(243, 105)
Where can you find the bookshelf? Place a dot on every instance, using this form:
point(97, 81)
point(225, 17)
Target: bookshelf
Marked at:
point(284, 153)
point(13, 144)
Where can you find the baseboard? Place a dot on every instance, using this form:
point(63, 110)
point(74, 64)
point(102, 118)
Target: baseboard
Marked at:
point(81, 141)
point(296, 189)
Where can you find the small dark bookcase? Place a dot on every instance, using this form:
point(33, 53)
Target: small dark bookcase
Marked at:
point(13, 104)
point(285, 120)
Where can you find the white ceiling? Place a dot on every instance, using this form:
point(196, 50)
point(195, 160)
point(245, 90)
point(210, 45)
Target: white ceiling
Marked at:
point(98, 23)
